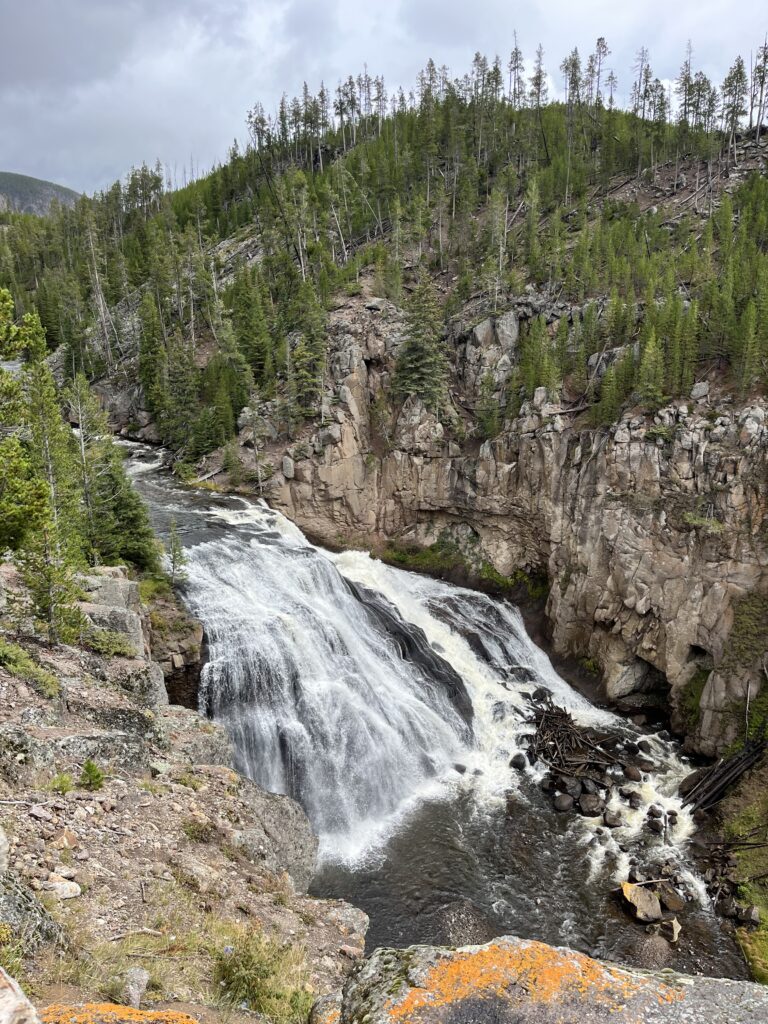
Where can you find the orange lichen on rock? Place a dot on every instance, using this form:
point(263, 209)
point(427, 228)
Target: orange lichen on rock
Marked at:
point(540, 973)
point(110, 1013)
point(330, 1014)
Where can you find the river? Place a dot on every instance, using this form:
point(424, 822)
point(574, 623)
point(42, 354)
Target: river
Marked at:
point(389, 704)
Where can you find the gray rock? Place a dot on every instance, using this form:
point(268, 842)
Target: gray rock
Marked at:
point(700, 390)
point(62, 888)
point(591, 805)
point(279, 836)
point(136, 981)
point(516, 981)
point(15, 1008)
point(144, 680)
point(288, 467)
point(563, 802)
point(27, 917)
point(3, 852)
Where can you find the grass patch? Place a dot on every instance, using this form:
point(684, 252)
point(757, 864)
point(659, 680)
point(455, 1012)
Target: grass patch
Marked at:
point(109, 643)
point(252, 972)
point(19, 663)
point(197, 957)
point(444, 556)
point(743, 811)
point(712, 527)
point(198, 831)
point(690, 698)
point(748, 639)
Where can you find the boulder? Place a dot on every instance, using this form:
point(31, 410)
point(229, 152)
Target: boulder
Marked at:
point(279, 836)
point(563, 802)
point(518, 981)
point(519, 761)
point(642, 902)
point(591, 805)
point(136, 981)
point(670, 897)
point(15, 1008)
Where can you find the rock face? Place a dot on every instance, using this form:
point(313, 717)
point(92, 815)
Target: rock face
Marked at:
point(15, 1008)
point(652, 533)
point(278, 835)
point(514, 981)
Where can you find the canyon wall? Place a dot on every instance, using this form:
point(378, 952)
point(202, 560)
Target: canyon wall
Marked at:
point(652, 533)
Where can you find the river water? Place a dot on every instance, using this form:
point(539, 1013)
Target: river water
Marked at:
point(389, 704)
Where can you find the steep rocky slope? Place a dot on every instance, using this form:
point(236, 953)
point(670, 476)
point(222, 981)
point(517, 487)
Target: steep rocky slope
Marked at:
point(159, 857)
point(652, 533)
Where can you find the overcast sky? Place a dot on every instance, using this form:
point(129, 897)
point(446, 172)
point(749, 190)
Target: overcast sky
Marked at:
point(89, 88)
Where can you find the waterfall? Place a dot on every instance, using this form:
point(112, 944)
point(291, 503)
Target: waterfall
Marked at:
point(328, 693)
point(389, 704)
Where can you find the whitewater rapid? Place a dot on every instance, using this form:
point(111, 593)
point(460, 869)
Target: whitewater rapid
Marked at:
point(363, 691)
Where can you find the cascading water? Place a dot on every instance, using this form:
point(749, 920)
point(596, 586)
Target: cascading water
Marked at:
point(389, 705)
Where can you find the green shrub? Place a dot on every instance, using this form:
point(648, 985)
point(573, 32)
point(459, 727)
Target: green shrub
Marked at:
point(62, 783)
point(11, 951)
point(264, 976)
point(152, 587)
point(18, 662)
point(91, 777)
point(198, 831)
point(536, 584)
point(441, 557)
point(109, 643)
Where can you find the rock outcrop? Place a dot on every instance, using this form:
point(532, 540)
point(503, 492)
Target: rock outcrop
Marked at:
point(515, 981)
point(652, 533)
point(162, 825)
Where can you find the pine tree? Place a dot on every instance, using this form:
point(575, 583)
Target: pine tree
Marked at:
point(651, 374)
point(176, 557)
point(488, 412)
point(422, 367)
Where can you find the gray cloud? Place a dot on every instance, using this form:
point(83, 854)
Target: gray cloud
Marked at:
point(89, 88)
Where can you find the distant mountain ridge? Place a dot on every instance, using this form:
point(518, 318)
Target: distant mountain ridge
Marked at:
point(24, 194)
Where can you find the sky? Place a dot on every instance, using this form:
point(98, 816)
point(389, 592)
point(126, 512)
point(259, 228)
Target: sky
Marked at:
point(90, 88)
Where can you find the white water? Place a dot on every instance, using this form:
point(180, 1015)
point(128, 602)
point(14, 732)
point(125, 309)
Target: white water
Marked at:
point(323, 705)
point(390, 704)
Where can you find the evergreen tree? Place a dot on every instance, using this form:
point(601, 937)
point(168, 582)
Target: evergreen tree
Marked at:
point(422, 367)
point(651, 374)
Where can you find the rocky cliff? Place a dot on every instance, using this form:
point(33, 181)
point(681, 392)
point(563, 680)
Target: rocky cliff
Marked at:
point(127, 841)
point(652, 534)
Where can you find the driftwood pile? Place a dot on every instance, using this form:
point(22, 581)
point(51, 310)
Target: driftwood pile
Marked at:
point(585, 766)
point(567, 749)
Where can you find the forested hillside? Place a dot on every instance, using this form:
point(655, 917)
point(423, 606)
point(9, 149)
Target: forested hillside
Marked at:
point(477, 187)
point(24, 194)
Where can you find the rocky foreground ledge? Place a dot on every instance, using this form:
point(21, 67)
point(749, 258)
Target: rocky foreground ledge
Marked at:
point(516, 981)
